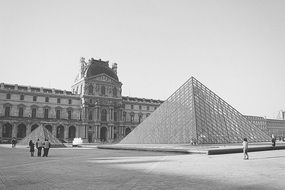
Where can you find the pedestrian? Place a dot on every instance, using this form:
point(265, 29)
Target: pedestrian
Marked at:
point(273, 140)
point(46, 148)
point(32, 147)
point(245, 149)
point(39, 146)
point(14, 142)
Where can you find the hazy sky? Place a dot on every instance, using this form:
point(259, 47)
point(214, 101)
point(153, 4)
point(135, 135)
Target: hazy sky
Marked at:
point(236, 48)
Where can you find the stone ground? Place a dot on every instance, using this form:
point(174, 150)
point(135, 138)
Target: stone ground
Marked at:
point(96, 169)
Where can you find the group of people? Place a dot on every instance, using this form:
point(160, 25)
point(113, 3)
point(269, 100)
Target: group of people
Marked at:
point(40, 145)
point(245, 147)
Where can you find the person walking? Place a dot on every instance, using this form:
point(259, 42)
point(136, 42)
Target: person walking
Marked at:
point(46, 148)
point(273, 141)
point(32, 147)
point(39, 146)
point(14, 142)
point(245, 149)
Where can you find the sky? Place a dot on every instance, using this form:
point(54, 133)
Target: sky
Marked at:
point(235, 48)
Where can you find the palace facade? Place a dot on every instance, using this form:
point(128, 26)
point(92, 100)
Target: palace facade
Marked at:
point(94, 110)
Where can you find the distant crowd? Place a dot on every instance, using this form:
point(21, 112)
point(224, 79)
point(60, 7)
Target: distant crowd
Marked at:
point(40, 145)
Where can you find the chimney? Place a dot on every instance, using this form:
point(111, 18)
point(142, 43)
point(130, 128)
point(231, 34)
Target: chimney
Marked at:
point(114, 67)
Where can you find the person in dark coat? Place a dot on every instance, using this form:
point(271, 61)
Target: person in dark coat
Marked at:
point(273, 141)
point(32, 147)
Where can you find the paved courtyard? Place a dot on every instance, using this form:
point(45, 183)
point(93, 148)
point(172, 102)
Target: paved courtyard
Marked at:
point(83, 168)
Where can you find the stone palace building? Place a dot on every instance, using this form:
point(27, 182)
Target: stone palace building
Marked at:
point(94, 110)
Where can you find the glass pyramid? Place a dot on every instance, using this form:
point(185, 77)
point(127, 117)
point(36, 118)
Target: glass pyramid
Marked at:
point(195, 114)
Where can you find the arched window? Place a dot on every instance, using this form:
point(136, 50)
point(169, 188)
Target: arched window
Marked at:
point(140, 118)
point(7, 130)
point(103, 115)
point(90, 89)
point(49, 128)
point(115, 92)
point(71, 132)
point(21, 131)
point(103, 90)
point(127, 131)
point(60, 132)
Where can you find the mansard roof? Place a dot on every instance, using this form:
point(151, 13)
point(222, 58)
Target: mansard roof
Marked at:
point(97, 67)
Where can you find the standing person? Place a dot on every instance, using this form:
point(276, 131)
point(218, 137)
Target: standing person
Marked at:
point(32, 147)
point(245, 149)
point(46, 148)
point(13, 142)
point(273, 140)
point(39, 146)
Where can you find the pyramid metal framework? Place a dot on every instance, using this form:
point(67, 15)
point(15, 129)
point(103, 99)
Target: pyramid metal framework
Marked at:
point(41, 133)
point(195, 114)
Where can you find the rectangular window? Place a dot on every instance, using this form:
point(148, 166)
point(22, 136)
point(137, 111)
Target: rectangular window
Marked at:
point(124, 116)
point(46, 113)
point(8, 96)
point(69, 114)
point(90, 115)
point(34, 98)
point(58, 100)
point(115, 116)
point(132, 106)
point(34, 112)
point(140, 107)
point(47, 99)
point(21, 112)
point(22, 97)
point(69, 101)
point(147, 107)
point(57, 114)
point(7, 111)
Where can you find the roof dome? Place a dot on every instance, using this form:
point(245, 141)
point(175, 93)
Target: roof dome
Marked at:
point(97, 67)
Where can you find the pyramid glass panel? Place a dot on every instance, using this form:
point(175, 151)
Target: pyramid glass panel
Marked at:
point(195, 114)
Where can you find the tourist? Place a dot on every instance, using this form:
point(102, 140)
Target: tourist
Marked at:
point(14, 142)
point(46, 148)
point(32, 147)
point(39, 146)
point(245, 149)
point(273, 140)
